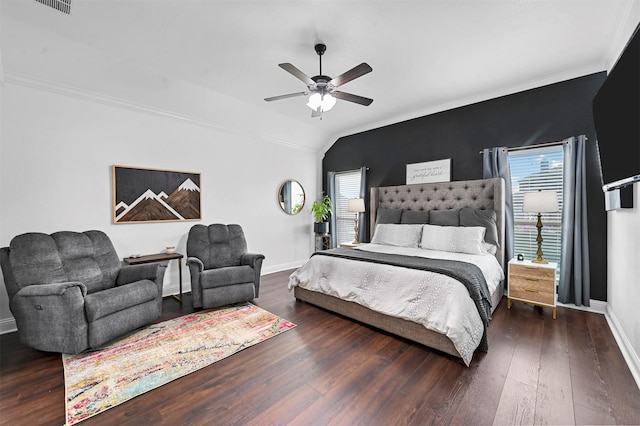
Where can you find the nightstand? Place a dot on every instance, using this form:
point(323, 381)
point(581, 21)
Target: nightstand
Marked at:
point(533, 283)
point(323, 242)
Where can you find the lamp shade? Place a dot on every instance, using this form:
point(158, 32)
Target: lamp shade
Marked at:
point(540, 202)
point(328, 102)
point(356, 205)
point(323, 101)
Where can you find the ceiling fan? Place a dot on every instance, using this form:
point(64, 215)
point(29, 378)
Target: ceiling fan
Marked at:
point(322, 88)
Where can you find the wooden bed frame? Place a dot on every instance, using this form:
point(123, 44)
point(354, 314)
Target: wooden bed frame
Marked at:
point(480, 194)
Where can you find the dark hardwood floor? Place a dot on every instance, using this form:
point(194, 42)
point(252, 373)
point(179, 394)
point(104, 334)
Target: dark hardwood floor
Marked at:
point(330, 370)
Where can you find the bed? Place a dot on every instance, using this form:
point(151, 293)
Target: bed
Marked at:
point(403, 282)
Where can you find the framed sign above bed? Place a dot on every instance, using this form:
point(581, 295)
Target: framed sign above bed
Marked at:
point(430, 171)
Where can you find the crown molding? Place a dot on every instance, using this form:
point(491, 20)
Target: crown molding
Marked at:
point(124, 104)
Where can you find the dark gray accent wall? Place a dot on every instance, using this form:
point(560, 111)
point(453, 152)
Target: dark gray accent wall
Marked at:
point(545, 114)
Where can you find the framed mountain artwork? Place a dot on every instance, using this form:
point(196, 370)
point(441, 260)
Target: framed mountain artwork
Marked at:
point(150, 195)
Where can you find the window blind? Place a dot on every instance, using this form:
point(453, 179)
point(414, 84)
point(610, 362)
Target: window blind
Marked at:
point(531, 170)
point(347, 185)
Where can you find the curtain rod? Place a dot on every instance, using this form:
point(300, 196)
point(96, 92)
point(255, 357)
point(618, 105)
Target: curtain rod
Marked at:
point(540, 145)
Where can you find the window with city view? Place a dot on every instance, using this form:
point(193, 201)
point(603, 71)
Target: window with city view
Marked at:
point(532, 170)
point(347, 186)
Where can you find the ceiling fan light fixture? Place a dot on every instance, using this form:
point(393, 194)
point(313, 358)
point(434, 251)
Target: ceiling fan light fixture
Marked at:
point(321, 88)
point(328, 101)
point(324, 102)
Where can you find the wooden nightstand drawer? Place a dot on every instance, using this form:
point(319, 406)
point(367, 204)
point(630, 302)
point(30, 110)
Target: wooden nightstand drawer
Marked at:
point(532, 272)
point(533, 289)
point(532, 283)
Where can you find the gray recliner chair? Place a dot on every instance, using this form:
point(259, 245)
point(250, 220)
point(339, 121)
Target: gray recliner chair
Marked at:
point(69, 291)
point(222, 272)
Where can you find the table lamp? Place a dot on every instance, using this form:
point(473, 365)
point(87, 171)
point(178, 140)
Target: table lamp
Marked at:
point(356, 205)
point(540, 202)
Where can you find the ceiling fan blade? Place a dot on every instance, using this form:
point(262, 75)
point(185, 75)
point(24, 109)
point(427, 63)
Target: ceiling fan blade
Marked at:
point(353, 98)
point(353, 73)
point(297, 73)
point(290, 95)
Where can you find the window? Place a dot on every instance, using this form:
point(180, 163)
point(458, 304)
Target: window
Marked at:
point(531, 170)
point(347, 186)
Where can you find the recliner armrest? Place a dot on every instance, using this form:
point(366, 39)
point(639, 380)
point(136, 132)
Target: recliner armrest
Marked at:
point(195, 261)
point(53, 289)
point(146, 271)
point(250, 259)
point(50, 317)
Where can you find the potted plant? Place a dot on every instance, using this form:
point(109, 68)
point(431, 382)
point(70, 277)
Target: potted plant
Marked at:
point(321, 211)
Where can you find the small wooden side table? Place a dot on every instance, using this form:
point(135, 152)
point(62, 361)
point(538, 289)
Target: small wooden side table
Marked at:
point(159, 257)
point(533, 283)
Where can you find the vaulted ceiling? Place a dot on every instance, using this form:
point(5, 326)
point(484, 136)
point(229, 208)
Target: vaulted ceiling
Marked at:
point(214, 62)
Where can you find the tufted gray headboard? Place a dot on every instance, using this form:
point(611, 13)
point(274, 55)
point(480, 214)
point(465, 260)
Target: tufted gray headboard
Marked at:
point(478, 194)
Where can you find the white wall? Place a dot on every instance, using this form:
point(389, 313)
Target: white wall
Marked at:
point(623, 248)
point(56, 153)
point(623, 278)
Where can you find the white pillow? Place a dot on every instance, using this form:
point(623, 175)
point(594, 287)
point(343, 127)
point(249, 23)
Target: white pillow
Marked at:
point(397, 235)
point(458, 239)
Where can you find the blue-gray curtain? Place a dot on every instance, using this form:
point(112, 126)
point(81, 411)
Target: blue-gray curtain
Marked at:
point(331, 192)
point(495, 164)
point(574, 285)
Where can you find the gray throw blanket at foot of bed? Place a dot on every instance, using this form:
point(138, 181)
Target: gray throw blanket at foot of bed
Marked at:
point(467, 273)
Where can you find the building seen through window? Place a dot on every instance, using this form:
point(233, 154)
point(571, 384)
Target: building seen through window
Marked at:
point(532, 170)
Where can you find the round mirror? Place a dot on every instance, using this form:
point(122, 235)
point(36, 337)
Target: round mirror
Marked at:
point(291, 197)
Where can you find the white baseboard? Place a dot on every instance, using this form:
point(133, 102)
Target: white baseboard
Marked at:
point(169, 289)
point(629, 354)
point(8, 325)
point(283, 267)
point(597, 306)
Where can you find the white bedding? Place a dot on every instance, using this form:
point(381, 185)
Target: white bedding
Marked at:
point(440, 303)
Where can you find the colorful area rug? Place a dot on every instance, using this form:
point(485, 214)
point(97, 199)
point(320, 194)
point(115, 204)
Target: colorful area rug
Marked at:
point(160, 353)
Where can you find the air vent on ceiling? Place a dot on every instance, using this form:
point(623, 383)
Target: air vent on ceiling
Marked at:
point(61, 5)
